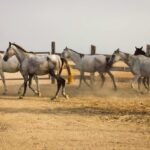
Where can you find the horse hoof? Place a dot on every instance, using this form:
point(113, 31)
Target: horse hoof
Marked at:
point(4, 93)
point(19, 92)
point(142, 92)
point(53, 98)
point(36, 94)
point(20, 97)
point(39, 94)
point(66, 96)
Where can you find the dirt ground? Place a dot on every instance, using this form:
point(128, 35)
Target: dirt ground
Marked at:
point(98, 119)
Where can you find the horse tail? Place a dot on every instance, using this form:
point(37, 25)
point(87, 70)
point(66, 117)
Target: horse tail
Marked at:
point(109, 61)
point(70, 78)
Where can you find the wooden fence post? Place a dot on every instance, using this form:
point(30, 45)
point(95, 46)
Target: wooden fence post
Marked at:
point(148, 49)
point(93, 52)
point(53, 52)
point(53, 47)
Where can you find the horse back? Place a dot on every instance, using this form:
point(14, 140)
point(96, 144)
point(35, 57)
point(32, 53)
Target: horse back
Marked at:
point(93, 62)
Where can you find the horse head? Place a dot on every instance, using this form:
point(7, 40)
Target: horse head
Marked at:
point(139, 51)
point(65, 53)
point(117, 51)
point(117, 56)
point(9, 52)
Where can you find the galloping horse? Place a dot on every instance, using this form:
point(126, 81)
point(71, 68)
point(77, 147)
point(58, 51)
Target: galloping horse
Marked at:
point(138, 64)
point(91, 64)
point(32, 64)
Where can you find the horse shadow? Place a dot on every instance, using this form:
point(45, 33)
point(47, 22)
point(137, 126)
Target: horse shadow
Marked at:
point(82, 111)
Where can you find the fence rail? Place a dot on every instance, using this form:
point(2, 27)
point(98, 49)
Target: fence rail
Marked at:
point(93, 52)
point(114, 69)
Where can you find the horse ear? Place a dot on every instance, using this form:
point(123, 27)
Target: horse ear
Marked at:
point(66, 48)
point(141, 47)
point(135, 47)
point(117, 49)
point(9, 43)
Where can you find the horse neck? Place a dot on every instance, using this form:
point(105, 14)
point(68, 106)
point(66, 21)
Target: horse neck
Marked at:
point(125, 58)
point(21, 55)
point(76, 58)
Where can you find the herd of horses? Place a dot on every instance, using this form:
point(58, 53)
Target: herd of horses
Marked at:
point(32, 65)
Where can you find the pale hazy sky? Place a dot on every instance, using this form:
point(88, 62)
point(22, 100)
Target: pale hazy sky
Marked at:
point(109, 24)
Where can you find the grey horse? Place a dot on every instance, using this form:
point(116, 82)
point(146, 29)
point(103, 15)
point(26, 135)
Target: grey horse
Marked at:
point(138, 64)
point(11, 66)
point(32, 64)
point(90, 63)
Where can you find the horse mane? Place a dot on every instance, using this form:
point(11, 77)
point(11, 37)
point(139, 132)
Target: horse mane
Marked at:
point(21, 48)
point(81, 55)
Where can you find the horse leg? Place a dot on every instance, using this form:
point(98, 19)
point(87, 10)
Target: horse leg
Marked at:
point(20, 88)
point(112, 78)
point(59, 83)
point(103, 79)
point(4, 83)
point(148, 83)
point(30, 82)
point(134, 80)
point(63, 88)
point(84, 79)
point(25, 86)
point(37, 85)
point(81, 78)
point(139, 83)
point(92, 78)
point(144, 83)
point(58, 88)
point(61, 68)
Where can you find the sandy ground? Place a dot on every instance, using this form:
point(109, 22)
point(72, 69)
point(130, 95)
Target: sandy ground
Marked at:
point(98, 119)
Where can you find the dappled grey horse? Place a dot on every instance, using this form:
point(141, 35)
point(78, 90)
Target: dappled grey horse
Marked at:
point(139, 64)
point(32, 64)
point(91, 64)
point(11, 66)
